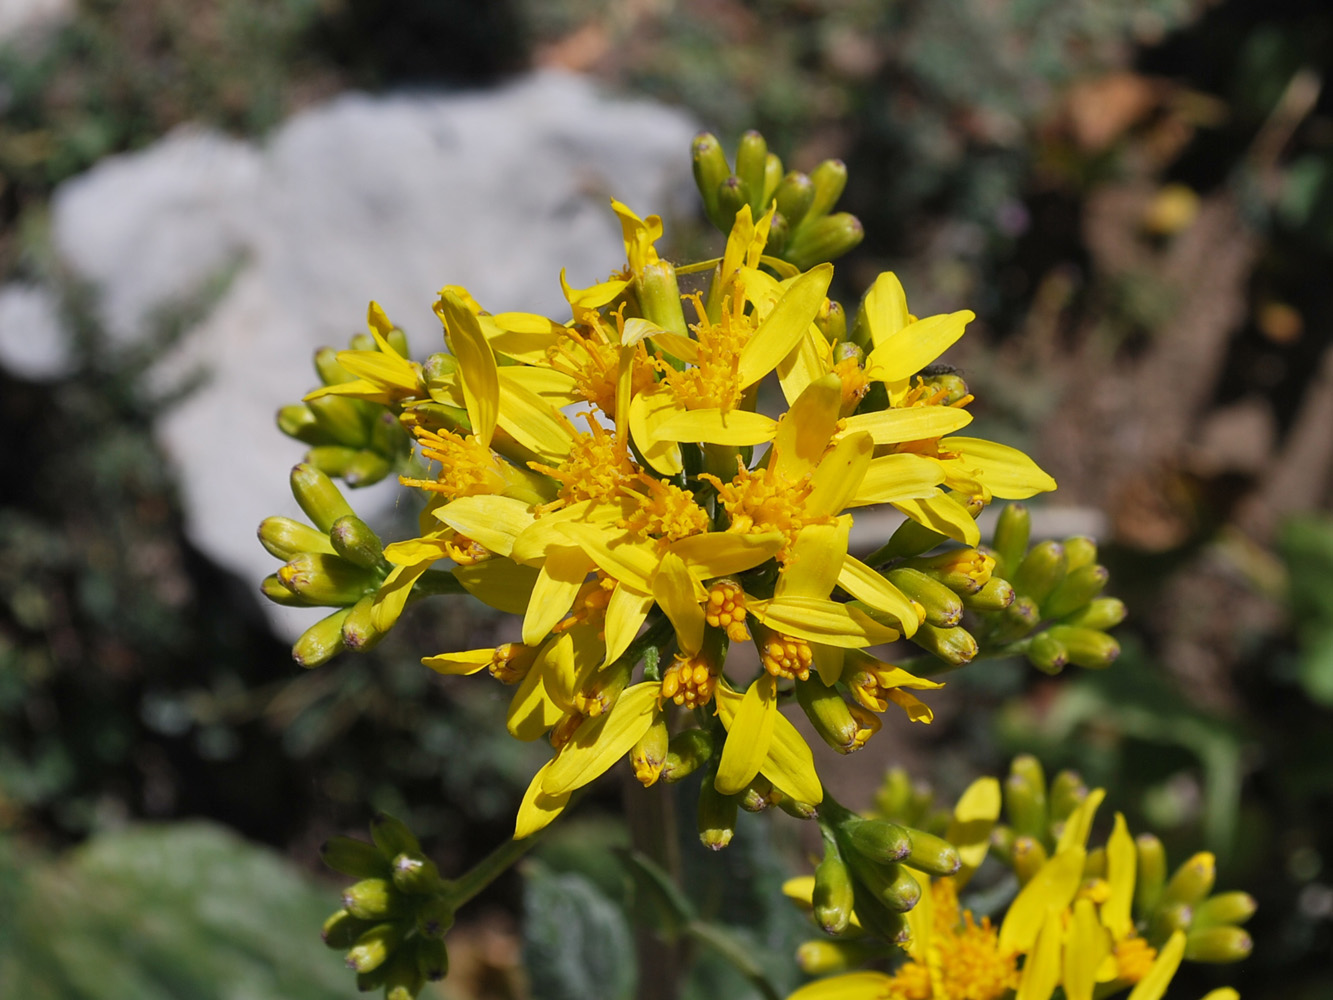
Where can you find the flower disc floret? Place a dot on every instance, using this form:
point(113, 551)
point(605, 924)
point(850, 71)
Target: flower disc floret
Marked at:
point(468, 468)
point(758, 500)
point(725, 609)
point(689, 681)
point(714, 380)
point(787, 656)
point(664, 510)
point(597, 467)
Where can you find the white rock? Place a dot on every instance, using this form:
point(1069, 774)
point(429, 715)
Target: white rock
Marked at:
point(24, 22)
point(32, 343)
point(383, 198)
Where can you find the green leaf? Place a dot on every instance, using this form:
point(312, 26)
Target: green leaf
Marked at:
point(576, 942)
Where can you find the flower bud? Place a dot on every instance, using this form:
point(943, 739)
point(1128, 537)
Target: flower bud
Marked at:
point(287, 538)
point(716, 817)
point(794, 195)
point(821, 957)
point(329, 580)
point(1067, 793)
point(373, 948)
point(710, 170)
point(1015, 621)
point(778, 234)
point(415, 874)
point(687, 751)
point(877, 840)
point(1192, 881)
point(943, 607)
point(1224, 908)
point(648, 757)
point(328, 369)
point(318, 496)
point(296, 420)
point(366, 468)
point(1101, 614)
point(1080, 551)
point(833, 897)
point(1010, 541)
point(1025, 802)
point(1167, 919)
point(1150, 872)
point(435, 915)
point(354, 857)
point(392, 836)
point(354, 540)
point(389, 437)
point(341, 930)
point(372, 899)
point(359, 632)
point(432, 959)
point(892, 884)
point(733, 194)
point(964, 571)
point(828, 180)
point(758, 795)
point(933, 855)
point(322, 641)
point(1078, 587)
point(772, 178)
point(751, 164)
point(332, 459)
point(1041, 571)
point(824, 240)
point(996, 595)
point(828, 712)
point(1087, 647)
point(797, 809)
point(659, 297)
point(1218, 944)
point(1027, 857)
point(1047, 653)
point(955, 646)
point(341, 419)
point(403, 978)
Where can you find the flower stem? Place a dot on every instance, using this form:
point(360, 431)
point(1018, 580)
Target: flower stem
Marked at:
point(491, 867)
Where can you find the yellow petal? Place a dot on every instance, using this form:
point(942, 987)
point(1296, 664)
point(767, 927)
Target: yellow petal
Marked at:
point(552, 386)
point(646, 411)
point(411, 551)
point(617, 553)
point(885, 306)
point(1007, 472)
point(494, 521)
point(532, 710)
point(829, 662)
point(1164, 966)
point(1121, 865)
point(392, 596)
point(815, 560)
point(538, 808)
point(908, 423)
point(465, 663)
point(481, 382)
point(1079, 823)
point(785, 325)
point(1053, 887)
point(916, 345)
point(625, 614)
point(800, 890)
point(714, 426)
point(601, 741)
point(974, 816)
point(561, 576)
point(811, 359)
point(898, 477)
point(592, 298)
point(725, 553)
point(790, 764)
point(817, 620)
point(866, 585)
point(532, 421)
point(803, 432)
point(748, 737)
point(839, 474)
point(1222, 993)
point(1041, 971)
point(1085, 947)
point(678, 595)
point(916, 709)
point(532, 543)
point(524, 337)
point(849, 986)
point(499, 583)
point(942, 513)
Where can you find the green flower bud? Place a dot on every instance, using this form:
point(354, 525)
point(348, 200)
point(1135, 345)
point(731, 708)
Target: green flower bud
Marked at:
point(366, 469)
point(892, 885)
point(287, 538)
point(943, 607)
point(659, 297)
point(1087, 647)
point(1047, 653)
point(1151, 872)
point(1101, 614)
point(688, 750)
point(318, 496)
point(415, 874)
point(341, 419)
point(324, 579)
point(434, 916)
point(772, 178)
point(388, 437)
point(733, 194)
point(996, 595)
point(798, 809)
point(392, 836)
point(1025, 805)
point(403, 979)
point(832, 323)
point(933, 855)
point(277, 592)
point(1080, 551)
point(332, 459)
point(373, 948)
point(297, 421)
point(828, 180)
point(1010, 542)
point(877, 840)
point(359, 632)
point(1027, 857)
point(794, 195)
point(354, 540)
point(779, 231)
point(328, 369)
point(821, 957)
point(1167, 919)
point(716, 817)
point(362, 342)
point(833, 897)
point(955, 646)
point(950, 384)
point(1066, 794)
point(372, 899)
point(1218, 944)
point(1015, 621)
point(710, 171)
point(398, 341)
point(432, 959)
point(828, 712)
point(322, 641)
point(824, 239)
point(1094, 865)
point(910, 538)
point(1224, 908)
point(1078, 587)
point(751, 166)
point(964, 571)
point(341, 930)
point(1041, 571)
point(758, 795)
point(894, 799)
point(1192, 881)
point(354, 857)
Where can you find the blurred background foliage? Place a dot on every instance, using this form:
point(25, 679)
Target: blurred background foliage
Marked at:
point(1135, 197)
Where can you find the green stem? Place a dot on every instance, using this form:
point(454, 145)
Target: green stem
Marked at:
point(489, 868)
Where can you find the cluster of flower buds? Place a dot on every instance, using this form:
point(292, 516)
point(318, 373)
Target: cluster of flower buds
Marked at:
point(1037, 812)
point(357, 440)
point(335, 561)
point(393, 919)
point(805, 230)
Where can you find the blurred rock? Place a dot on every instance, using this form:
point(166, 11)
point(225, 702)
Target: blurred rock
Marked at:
point(31, 342)
point(26, 22)
point(384, 198)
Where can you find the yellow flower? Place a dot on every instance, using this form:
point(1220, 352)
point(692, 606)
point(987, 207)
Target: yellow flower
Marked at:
point(383, 375)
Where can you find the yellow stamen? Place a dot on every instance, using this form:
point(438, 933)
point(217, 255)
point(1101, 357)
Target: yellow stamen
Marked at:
point(689, 681)
point(725, 609)
point(590, 355)
point(590, 604)
point(510, 662)
point(758, 500)
point(465, 551)
point(665, 510)
point(468, 467)
point(715, 380)
point(597, 467)
point(564, 729)
point(867, 725)
point(787, 656)
point(1133, 958)
point(855, 384)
